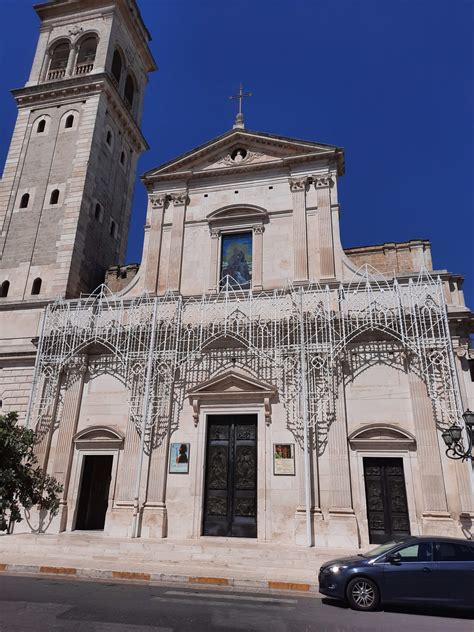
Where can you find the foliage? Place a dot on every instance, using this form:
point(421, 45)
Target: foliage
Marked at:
point(22, 482)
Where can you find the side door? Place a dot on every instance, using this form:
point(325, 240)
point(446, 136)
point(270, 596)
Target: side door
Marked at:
point(413, 576)
point(456, 572)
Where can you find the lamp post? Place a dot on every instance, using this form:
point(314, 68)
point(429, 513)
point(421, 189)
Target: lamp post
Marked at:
point(453, 439)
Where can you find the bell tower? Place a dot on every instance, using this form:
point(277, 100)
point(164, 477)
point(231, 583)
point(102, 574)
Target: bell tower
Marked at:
point(66, 191)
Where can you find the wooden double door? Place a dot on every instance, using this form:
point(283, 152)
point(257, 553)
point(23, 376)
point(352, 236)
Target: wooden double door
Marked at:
point(385, 489)
point(230, 504)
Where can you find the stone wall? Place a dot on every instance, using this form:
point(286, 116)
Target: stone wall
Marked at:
point(398, 258)
point(118, 277)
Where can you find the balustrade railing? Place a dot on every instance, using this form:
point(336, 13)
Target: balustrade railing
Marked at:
point(83, 69)
point(56, 74)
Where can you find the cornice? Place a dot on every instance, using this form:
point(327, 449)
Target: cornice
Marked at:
point(77, 88)
point(280, 163)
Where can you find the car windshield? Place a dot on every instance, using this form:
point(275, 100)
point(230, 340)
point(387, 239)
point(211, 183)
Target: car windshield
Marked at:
point(382, 548)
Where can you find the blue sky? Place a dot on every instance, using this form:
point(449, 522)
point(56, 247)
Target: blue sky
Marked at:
point(391, 81)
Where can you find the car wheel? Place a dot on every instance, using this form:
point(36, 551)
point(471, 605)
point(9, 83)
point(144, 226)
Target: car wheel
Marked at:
point(363, 594)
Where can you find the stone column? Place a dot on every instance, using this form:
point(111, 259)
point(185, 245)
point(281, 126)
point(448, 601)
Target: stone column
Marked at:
point(177, 237)
point(300, 240)
point(214, 260)
point(323, 185)
point(257, 260)
point(155, 216)
point(71, 62)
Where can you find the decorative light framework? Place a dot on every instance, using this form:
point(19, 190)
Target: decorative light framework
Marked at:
point(304, 341)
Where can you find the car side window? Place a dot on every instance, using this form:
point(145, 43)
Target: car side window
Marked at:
point(453, 552)
point(421, 552)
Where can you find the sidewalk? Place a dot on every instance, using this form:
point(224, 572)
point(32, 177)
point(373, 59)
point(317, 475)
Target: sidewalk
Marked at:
point(241, 563)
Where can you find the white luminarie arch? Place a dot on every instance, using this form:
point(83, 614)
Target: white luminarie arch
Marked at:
point(295, 339)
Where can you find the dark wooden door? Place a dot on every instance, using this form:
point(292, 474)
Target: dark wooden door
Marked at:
point(230, 505)
point(94, 494)
point(387, 509)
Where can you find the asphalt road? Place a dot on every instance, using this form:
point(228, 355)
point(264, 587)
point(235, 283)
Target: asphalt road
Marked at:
point(31, 604)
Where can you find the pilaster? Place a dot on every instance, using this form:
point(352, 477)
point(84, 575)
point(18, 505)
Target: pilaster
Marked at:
point(323, 184)
point(431, 473)
point(300, 239)
point(74, 385)
point(155, 215)
point(214, 260)
point(257, 270)
point(179, 201)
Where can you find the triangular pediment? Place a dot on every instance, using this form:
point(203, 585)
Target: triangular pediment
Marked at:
point(241, 149)
point(232, 383)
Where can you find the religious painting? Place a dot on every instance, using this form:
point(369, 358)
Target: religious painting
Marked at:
point(284, 459)
point(179, 458)
point(236, 260)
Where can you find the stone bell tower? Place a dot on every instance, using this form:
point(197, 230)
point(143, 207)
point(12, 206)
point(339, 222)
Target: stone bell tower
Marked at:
point(66, 192)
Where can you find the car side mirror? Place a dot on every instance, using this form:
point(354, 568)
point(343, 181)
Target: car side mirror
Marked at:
point(394, 558)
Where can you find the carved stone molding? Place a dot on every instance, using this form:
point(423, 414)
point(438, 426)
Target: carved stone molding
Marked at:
point(238, 159)
point(75, 30)
point(158, 201)
point(322, 180)
point(215, 233)
point(231, 387)
point(179, 199)
point(258, 229)
point(298, 184)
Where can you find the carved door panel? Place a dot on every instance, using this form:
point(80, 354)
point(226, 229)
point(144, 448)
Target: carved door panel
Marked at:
point(230, 506)
point(385, 490)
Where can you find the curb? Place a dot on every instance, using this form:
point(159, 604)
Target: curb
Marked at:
point(92, 573)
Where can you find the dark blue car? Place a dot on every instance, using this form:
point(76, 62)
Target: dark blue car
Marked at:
point(426, 570)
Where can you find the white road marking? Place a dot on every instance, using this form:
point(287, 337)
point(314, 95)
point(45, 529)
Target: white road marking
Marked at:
point(225, 604)
point(229, 596)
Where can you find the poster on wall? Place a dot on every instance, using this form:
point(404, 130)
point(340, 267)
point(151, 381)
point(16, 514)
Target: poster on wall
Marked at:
point(179, 458)
point(236, 260)
point(284, 459)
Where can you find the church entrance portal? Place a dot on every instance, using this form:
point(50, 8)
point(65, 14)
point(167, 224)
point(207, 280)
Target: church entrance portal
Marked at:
point(94, 494)
point(387, 509)
point(230, 506)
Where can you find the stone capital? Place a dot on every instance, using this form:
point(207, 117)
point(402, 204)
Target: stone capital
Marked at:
point(215, 233)
point(179, 199)
point(258, 229)
point(322, 180)
point(158, 201)
point(298, 184)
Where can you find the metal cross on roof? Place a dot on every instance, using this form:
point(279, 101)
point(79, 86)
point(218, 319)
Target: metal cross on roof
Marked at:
point(239, 119)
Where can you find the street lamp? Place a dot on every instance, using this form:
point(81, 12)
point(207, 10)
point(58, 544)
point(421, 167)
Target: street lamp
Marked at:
point(453, 440)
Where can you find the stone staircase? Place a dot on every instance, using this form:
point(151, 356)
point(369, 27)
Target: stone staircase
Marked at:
point(93, 553)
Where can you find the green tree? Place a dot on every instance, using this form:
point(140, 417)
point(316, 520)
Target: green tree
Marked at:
point(22, 482)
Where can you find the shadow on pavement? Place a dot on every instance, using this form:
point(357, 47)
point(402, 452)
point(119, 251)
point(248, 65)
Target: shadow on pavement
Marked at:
point(427, 611)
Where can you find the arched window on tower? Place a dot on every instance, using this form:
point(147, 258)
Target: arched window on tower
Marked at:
point(117, 66)
point(36, 287)
point(54, 198)
point(4, 289)
point(59, 59)
point(129, 91)
point(25, 199)
point(41, 127)
point(86, 55)
point(69, 121)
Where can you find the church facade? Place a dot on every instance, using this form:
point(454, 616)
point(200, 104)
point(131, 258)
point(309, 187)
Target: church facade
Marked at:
point(251, 378)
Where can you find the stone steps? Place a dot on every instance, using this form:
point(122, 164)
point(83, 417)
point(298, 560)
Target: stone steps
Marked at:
point(215, 560)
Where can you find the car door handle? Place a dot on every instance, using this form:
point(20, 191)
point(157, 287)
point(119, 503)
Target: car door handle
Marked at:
point(425, 569)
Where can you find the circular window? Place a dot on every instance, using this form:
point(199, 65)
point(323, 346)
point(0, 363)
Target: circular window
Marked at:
point(238, 154)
